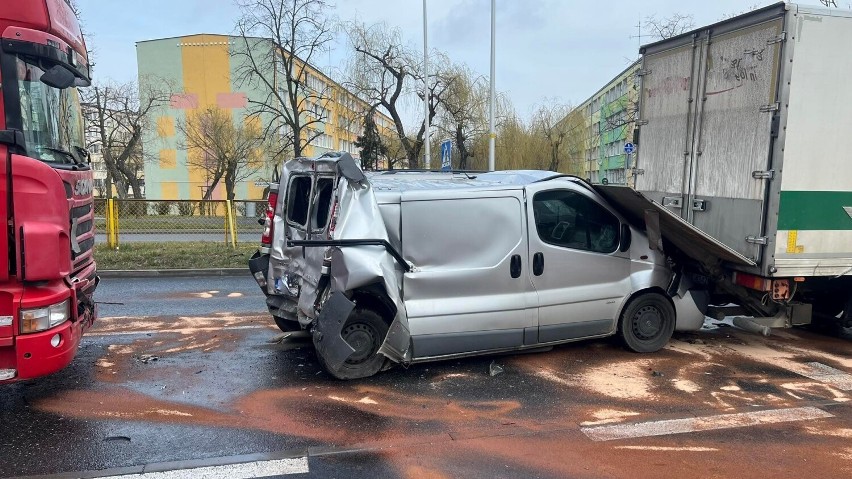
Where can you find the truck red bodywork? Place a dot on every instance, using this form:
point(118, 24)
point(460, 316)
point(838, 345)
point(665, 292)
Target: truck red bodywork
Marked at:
point(47, 206)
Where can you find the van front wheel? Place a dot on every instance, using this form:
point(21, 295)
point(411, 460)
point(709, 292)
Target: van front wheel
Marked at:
point(647, 324)
point(365, 331)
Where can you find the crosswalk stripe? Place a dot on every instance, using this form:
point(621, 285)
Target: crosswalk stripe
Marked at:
point(827, 374)
point(707, 423)
point(248, 470)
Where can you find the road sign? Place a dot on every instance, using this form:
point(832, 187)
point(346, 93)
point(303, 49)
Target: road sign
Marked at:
point(446, 155)
point(629, 148)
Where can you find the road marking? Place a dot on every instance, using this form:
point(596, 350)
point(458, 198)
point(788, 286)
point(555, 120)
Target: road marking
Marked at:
point(667, 448)
point(161, 331)
point(708, 423)
point(248, 470)
point(827, 374)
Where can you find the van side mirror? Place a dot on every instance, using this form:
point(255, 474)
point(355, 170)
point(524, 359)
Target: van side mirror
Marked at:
point(626, 238)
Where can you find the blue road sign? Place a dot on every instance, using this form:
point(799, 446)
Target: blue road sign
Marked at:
point(629, 148)
point(446, 155)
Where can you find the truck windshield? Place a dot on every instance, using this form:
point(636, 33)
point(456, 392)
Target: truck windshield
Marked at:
point(51, 118)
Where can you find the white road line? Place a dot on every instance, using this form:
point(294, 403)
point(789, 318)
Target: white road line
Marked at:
point(669, 448)
point(161, 331)
point(827, 374)
point(708, 423)
point(248, 470)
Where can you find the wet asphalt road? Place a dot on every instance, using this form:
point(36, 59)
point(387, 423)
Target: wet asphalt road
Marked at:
point(189, 369)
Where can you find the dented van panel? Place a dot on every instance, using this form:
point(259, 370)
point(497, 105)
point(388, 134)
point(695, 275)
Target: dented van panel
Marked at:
point(295, 271)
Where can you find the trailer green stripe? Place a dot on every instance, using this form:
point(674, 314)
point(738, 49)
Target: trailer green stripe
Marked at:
point(815, 210)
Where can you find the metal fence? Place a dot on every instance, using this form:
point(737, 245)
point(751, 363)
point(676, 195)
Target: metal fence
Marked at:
point(132, 220)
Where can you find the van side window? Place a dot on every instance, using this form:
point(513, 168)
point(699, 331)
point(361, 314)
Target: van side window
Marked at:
point(570, 220)
point(298, 199)
point(322, 203)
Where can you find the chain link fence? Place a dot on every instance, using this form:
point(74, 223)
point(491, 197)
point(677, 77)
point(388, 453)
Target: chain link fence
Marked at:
point(131, 220)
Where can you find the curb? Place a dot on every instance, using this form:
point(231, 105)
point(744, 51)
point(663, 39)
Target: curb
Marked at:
point(173, 273)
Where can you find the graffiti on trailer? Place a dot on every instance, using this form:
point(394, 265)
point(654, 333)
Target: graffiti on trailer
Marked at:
point(668, 86)
point(738, 70)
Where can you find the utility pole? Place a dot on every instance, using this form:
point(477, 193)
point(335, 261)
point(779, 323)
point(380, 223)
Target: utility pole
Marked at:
point(428, 136)
point(492, 133)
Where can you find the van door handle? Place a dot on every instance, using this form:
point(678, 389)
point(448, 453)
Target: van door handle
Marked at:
point(515, 266)
point(538, 264)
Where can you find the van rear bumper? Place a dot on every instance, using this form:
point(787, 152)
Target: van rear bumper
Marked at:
point(259, 266)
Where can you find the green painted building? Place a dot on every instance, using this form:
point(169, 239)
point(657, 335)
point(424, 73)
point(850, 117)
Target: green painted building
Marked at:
point(610, 116)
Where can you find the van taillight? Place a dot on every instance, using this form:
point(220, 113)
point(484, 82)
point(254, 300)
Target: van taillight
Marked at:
point(266, 239)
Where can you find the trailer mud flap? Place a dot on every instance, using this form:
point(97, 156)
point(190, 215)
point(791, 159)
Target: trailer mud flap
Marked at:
point(327, 339)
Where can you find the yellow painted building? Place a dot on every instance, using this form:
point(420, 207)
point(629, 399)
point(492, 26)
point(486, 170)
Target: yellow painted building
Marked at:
point(202, 72)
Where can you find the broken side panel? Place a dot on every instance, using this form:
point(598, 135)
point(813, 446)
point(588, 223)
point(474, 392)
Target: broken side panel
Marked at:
point(690, 240)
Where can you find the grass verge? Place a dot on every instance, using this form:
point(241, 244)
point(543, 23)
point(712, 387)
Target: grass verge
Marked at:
point(174, 255)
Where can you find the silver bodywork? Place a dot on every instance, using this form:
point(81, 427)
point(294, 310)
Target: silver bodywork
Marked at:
point(461, 237)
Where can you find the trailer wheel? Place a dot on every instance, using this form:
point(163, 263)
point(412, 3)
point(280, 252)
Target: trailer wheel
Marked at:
point(647, 323)
point(365, 331)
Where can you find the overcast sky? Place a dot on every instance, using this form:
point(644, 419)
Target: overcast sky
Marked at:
point(546, 49)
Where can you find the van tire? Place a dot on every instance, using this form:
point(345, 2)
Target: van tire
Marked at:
point(287, 326)
point(647, 323)
point(365, 331)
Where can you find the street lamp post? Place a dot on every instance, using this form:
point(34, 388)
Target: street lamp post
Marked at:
point(428, 137)
point(492, 134)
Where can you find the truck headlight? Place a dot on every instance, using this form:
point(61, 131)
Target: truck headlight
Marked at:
point(41, 319)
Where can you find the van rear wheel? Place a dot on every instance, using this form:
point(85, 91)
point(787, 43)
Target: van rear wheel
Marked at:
point(647, 323)
point(365, 331)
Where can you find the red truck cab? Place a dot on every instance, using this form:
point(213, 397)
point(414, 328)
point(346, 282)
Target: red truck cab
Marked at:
point(48, 275)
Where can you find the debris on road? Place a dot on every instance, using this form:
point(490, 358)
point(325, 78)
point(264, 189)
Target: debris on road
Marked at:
point(494, 369)
point(147, 358)
point(117, 439)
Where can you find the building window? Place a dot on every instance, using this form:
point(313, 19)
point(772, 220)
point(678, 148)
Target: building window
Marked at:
point(315, 83)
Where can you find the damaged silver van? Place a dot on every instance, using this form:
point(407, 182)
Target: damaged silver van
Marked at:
point(403, 267)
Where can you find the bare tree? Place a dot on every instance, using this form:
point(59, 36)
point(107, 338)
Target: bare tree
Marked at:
point(464, 112)
point(668, 27)
point(751, 8)
point(549, 127)
point(278, 40)
point(385, 73)
point(226, 152)
point(117, 119)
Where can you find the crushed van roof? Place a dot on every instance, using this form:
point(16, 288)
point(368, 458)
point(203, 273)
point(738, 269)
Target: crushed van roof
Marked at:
point(403, 180)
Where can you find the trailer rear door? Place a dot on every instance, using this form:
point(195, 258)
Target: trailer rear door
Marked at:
point(707, 113)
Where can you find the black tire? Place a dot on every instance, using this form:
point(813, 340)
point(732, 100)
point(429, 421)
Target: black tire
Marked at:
point(286, 325)
point(647, 323)
point(365, 330)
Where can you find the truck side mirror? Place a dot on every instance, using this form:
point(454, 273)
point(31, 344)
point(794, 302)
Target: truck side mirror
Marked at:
point(58, 77)
point(626, 238)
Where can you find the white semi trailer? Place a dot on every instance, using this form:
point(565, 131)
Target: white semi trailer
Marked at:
point(744, 131)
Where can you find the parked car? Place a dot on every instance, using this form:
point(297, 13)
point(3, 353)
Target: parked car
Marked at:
point(404, 267)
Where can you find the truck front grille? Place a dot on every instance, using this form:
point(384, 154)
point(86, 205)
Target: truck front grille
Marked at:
point(84, 234)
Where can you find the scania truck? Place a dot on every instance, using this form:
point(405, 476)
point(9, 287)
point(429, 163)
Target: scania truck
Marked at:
point(48, 274)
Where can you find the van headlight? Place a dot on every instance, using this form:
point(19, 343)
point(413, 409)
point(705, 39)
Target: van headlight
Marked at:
point(41, 319)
